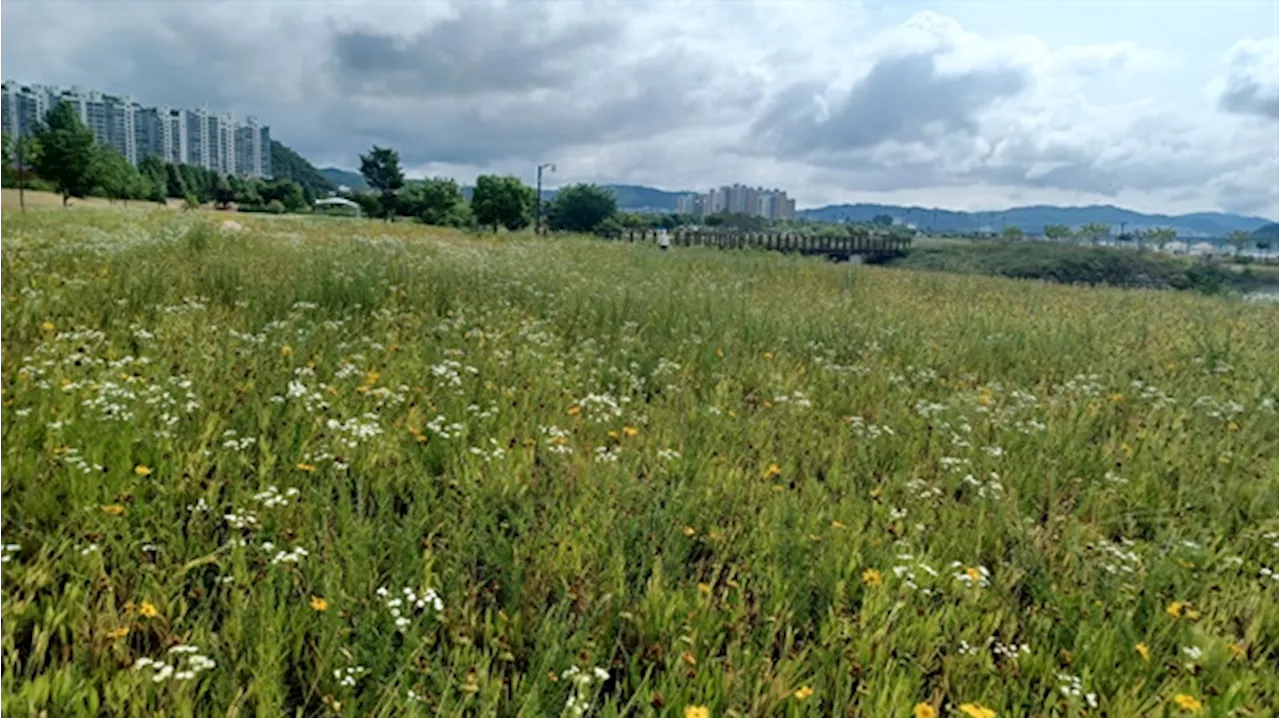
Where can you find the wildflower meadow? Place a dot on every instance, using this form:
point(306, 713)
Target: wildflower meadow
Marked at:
point(342, 467)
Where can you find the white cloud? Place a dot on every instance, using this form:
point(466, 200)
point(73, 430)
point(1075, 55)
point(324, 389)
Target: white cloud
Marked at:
point(826, 99)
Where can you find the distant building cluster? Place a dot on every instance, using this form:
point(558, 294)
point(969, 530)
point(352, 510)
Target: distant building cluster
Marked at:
point(739, 199)
point(193, 137)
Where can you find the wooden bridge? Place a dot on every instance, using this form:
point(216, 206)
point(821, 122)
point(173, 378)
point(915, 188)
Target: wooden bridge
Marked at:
point(857, 243)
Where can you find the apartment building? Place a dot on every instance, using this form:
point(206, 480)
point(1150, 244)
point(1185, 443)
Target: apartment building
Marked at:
point(195, 137)
point(739, 199)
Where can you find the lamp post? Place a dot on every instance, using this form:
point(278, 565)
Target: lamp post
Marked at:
point(22, 180)
point(537, 227)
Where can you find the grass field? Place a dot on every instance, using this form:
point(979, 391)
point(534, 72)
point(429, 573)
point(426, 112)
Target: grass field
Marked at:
point(351, 468)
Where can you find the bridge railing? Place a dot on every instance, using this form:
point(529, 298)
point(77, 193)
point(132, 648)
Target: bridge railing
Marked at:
point(854, 243)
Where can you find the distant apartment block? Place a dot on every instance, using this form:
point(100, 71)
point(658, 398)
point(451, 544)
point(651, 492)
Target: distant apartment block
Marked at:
point(739, 199)
point(195, 137)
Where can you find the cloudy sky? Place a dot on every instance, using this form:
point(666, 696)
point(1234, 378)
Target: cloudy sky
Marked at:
point(1158, 106)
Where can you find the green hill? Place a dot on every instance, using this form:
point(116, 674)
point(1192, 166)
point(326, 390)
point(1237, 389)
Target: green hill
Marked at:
point(287, 164)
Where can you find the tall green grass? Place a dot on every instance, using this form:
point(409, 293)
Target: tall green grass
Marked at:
point(636, 482)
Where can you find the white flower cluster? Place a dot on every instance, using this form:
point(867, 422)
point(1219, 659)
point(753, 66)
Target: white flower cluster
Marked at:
point(408, 602)
point(7, 552)
point(186, 663)
point(1072, 687)
point(352, 431)
point(864, 429)
point(977, 576)
point(294, 555)
point(349, 675)
point(601, 407)
point(272, 497)
point(579, 701)
point(439, 427)
point(241, 519)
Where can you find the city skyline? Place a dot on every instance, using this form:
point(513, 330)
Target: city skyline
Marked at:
point(199, 137)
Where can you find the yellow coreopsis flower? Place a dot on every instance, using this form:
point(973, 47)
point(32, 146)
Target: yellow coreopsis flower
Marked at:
point(803, 692)
point(924, 710)
point(771, 471)
point(1188, 703)
point(871, 577)
point(1143, 651)
point(319, 604)
point(977, 710)
point(114, 509)
point(142, 470)
point(697, 712)
point(148, 610)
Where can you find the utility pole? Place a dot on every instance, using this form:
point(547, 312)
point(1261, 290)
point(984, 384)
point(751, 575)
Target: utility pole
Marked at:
point(22, 181)
point(537, 227)
point(1122, 238)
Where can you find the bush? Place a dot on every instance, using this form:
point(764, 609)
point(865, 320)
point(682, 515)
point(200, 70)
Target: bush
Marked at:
point(275, 206)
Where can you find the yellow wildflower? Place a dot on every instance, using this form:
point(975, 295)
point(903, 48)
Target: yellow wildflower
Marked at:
point(973, 574)
point(629, 431)
point(142, 470)
point(688, 531)
point(306, 467)
point(575, 410)
point(803, 692)
point(148, 610)
point(704, 588)
point(924, 710)
point(871, 577)
point(1116, 397)
point(977, 710)
point(771, 471)
point(319, 604)
point(689, 658)
point(696, 712)
point(838, 525)
point(114, 509)
point(117, 633)
point(1188, 703)
point(613, 434)
point(1182, 609)
point(1143, 651)
point(768, 355)
point(286, 350)
point(47, 326)
point(1237, 650)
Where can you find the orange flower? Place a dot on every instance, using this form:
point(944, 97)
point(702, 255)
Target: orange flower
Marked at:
point(319, 604)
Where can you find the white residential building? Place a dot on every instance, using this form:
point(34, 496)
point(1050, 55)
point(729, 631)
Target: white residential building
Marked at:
point(739, 199)
point(196, 137)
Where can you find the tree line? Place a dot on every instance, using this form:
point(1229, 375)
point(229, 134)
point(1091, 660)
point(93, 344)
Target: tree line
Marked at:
point(61, 155)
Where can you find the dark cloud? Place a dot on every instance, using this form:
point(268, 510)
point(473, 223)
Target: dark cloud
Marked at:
point(1246, 96)
point(476, 52)
point(902, 98)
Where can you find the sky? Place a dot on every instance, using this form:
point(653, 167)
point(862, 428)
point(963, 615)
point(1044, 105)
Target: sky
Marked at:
point(1156, 106)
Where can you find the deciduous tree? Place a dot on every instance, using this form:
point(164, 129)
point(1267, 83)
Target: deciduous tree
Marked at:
point(67, 152)
point(581, 208)
point(504, 201)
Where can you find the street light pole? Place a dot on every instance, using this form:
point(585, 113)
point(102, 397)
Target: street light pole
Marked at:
point(537, 227)
point(22, 181)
